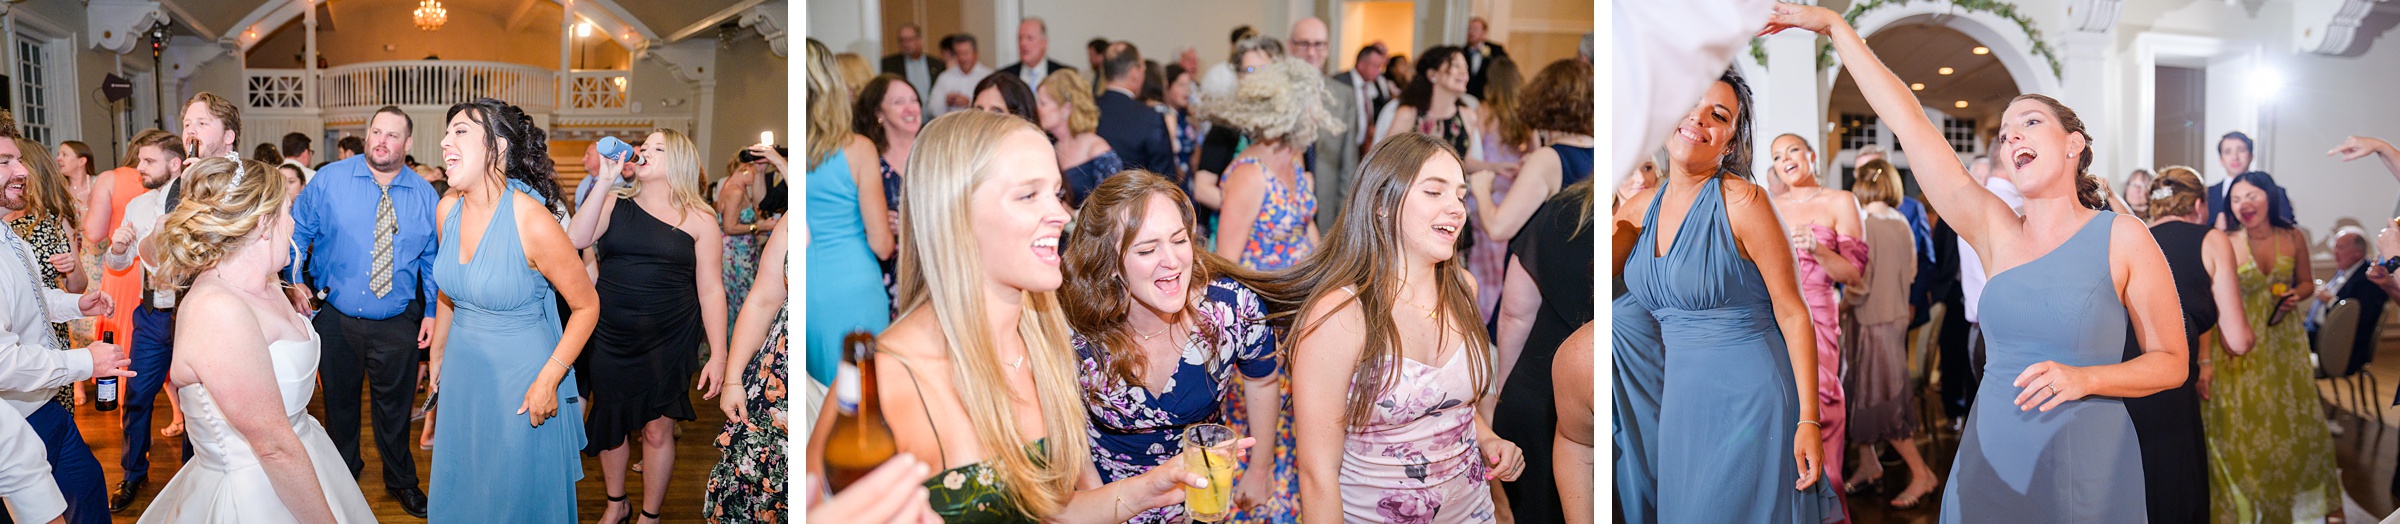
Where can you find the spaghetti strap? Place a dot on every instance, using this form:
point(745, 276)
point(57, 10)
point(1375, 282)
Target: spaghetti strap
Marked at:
point(944, 453)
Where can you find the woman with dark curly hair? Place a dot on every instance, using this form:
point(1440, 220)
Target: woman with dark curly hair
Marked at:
point(499, 347)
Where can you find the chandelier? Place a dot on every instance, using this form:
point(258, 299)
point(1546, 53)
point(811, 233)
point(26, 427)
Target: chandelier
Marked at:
point(430, 15)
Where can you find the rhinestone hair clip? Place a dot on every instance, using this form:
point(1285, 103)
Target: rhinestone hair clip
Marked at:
point(237, 168)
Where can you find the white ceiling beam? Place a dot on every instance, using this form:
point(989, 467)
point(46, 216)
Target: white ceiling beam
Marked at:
point(193, 22)
point(516, 19)
point(711, 21)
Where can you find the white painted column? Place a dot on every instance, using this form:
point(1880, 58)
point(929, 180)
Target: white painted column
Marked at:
point(2083, 58)
point(1789, 98)
point(566, 52)
point(308, 60)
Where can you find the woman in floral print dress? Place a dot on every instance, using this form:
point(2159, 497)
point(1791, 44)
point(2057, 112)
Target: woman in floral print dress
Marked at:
point(1158, 336)
point(748, 484)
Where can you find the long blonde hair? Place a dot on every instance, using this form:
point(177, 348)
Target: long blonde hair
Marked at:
point(683, 172)
point(828, 105)
point(221, 208)
point(938, 269)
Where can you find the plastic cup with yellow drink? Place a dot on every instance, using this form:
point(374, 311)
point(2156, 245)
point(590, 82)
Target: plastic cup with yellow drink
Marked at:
point(1208, 450)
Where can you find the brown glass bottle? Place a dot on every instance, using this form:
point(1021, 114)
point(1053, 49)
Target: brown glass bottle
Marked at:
point(859, 440)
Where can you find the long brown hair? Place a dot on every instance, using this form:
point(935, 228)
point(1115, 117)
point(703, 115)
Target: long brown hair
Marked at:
point(1356, 255)
point(46, 192)
point(1500, 95)
point(1095, 295)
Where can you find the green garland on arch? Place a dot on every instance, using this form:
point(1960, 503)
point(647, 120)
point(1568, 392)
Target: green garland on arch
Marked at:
point(1999, 8)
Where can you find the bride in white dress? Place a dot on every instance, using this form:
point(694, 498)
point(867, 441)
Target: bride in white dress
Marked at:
point(245, 361)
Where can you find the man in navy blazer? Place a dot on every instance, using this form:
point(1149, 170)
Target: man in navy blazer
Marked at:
point(1033, 53)
point(1137, 132)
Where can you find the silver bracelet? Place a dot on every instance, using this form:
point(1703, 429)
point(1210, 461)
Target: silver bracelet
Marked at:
point(1812, 423)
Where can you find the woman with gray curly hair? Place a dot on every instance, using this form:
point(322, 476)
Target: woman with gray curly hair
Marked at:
point(1268, 195)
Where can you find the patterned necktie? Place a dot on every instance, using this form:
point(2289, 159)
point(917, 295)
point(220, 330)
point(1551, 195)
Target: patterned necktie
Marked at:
point(380, 279)
point(47, 338)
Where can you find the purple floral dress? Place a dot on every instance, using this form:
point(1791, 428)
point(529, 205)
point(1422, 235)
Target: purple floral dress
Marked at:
point(1134, 429)
point(1416, 460)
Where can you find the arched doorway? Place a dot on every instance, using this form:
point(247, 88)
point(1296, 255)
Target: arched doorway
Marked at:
point(1962, 82)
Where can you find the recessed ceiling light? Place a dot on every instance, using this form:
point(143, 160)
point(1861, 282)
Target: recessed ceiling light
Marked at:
point(1944, 70)
point(1962, 104)
point(1981, 50)
point(1916, 87)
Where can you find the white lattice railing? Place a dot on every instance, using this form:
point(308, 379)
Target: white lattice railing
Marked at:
point(276, 88)
point(598, 89)
point(438, 83)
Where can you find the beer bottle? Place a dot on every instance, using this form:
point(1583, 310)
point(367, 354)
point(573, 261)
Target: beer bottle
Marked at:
point(107, 386)
point(859, 440)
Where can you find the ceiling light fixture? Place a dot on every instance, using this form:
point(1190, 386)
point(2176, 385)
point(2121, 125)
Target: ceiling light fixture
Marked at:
point(1944, 71)
point(1962, 104)
point(1981, 50)
point(1916, 87)
point(430, 15)
point(583, 30)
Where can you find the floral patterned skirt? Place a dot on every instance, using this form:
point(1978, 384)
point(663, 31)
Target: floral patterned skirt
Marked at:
point(1283, 499)
point(748, 484)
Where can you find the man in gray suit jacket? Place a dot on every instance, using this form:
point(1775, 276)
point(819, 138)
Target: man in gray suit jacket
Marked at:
point(1337, 156)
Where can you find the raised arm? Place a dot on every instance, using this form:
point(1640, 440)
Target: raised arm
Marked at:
point(591, 216)
point(2225, 286)
point(2354, 148)
point(1758, 233)
point(1535, 182)
point(1939, 173)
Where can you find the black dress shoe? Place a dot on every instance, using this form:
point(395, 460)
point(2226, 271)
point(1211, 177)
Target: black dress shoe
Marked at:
point(126, 491)
point(412, 500)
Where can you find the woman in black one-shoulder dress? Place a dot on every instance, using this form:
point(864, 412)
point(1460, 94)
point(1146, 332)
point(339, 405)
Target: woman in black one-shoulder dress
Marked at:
point(2168, 424)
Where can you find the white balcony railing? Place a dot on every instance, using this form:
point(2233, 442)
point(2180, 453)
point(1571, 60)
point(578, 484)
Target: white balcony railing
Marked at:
point(437, 83)
point(597, 89)
point(276, 88)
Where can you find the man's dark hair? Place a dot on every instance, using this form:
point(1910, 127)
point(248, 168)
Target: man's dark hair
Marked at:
point(294, 144)
point(1241, 32)
point(1122, 59)
point(1368, 50)
point(353, 144)
point(952, 41)
point(1097, 45)
point(407, 125)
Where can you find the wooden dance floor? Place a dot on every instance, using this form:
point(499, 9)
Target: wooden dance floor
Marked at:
point(695, 454)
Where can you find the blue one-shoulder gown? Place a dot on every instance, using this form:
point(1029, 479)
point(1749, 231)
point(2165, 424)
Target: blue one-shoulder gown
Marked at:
point(2079, 462)
point(491, 464)
point(1728, 405)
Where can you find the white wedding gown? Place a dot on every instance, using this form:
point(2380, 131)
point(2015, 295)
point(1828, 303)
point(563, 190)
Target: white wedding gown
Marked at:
point(223, 482)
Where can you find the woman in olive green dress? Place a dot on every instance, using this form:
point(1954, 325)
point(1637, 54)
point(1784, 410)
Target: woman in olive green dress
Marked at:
point(2270, 457)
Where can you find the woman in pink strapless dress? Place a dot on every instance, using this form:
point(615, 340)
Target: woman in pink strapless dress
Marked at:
point(1824, 226)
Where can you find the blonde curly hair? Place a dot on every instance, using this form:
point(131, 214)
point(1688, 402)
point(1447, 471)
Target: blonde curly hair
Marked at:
point(1284, 100)
point(220, 211)
point(1068, 88)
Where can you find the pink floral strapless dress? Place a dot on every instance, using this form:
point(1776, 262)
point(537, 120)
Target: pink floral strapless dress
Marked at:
point(1416, 460)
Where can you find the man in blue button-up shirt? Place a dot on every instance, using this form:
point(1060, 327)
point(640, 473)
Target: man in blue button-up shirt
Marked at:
point(367, 225)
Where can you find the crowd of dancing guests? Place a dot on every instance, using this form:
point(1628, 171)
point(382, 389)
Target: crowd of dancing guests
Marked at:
point(2104, 356)
point(239, 287)
point(1065, 270)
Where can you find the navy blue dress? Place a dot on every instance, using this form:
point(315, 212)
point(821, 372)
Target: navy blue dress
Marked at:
point(1134, 429)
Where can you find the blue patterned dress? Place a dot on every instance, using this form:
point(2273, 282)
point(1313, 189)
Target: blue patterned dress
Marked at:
point(1134, 429)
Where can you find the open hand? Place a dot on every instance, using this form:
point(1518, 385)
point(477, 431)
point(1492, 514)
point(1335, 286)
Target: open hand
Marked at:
point(1804, 17)
point(2049, 383)
point(2357, 147)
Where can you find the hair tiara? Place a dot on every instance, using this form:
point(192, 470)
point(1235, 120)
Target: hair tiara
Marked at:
point(237, 168)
